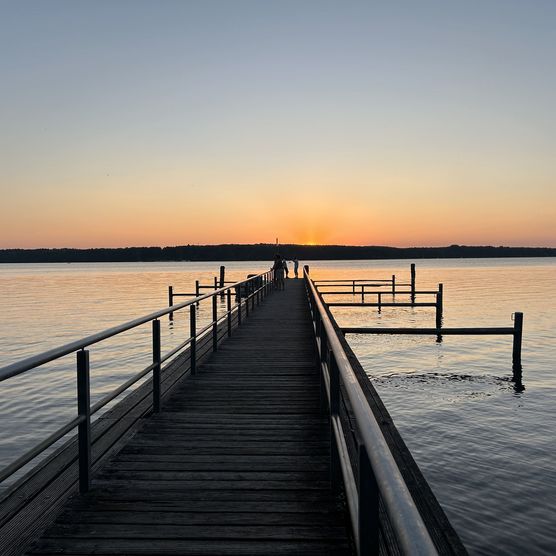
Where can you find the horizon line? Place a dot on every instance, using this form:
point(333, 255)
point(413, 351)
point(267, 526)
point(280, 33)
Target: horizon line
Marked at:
point(281, 245)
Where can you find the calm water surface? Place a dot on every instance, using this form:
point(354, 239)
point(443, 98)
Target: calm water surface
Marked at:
point(487, 450)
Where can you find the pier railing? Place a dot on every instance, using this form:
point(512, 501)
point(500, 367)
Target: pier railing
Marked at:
point(207, 338)
point(370, 476)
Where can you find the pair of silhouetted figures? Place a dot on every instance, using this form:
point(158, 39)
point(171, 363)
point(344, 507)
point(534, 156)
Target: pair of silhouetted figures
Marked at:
point(281, 272)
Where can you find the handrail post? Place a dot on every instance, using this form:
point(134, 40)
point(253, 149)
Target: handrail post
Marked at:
point(170, 301)
point(335, 465)
point(214, 324)
point(518, 336)
point(353, 287)
point(247, 302)
point(393, 284)
point(323, 344)
point(368, 506)
point(238, 297)
point(439, 309)
point(379, 302)
point(84, 428)
point(193, 336)
point(334, 385)
point(229, 310)
point(362, 293)
point(324, 358)
point(156, 368)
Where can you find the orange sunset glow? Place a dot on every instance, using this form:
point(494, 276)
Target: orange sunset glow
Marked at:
point(335, 135)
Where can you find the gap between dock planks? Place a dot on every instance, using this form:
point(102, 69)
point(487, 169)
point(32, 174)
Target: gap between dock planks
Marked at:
point(236, 463)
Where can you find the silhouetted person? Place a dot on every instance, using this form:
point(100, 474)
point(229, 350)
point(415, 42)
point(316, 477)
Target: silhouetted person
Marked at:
point(278, 270)
point(286, 267)
point(296, 267)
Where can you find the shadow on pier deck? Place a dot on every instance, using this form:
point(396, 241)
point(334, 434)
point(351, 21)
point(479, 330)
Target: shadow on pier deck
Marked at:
point(237, 462)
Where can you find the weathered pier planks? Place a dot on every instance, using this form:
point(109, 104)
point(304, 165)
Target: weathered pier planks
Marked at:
point(237, 462)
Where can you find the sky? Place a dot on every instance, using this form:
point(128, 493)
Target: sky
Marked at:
point(402, 123)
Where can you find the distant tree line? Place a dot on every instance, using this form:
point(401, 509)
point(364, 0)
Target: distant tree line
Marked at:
point(262, 251)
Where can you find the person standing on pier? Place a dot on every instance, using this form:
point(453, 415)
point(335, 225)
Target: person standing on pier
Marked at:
point(296, 267)
point(286, 267)
point(278, 270)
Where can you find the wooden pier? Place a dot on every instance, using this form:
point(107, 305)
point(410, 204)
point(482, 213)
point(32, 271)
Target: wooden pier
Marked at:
point(273, 442)
point(237, 462)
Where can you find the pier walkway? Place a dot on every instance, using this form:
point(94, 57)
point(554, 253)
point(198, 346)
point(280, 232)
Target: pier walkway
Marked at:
point(237, 462)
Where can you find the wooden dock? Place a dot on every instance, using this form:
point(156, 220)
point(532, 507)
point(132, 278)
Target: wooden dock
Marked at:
point(237, 462)
point(259, 434)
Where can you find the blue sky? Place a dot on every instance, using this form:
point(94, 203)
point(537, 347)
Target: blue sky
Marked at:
point(403, 123)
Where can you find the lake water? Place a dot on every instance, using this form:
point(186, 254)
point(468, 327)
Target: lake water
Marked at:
point(487, 450)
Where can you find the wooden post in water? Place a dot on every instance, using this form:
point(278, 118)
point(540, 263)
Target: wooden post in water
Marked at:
point(170, 301)
point(84, 428)
point(379, 302)
point(197, 289)
point(439, 309)
point(518, 337)
point(193, 336)
point(412, 282)
point(156, 368)
point(222, 279)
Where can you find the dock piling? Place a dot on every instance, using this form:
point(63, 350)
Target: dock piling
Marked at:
point(222, 280)
point(518, 337)
point(412, 282)
point(439, 309)
point(170, 301)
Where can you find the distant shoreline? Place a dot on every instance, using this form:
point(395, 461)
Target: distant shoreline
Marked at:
point(264, 251)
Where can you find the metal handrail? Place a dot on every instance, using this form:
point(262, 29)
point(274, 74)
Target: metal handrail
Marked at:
point(350, 280)
point(85, 410)
point(36, 360)
point(407, 523)
point(122, 388)
point(35, 451)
